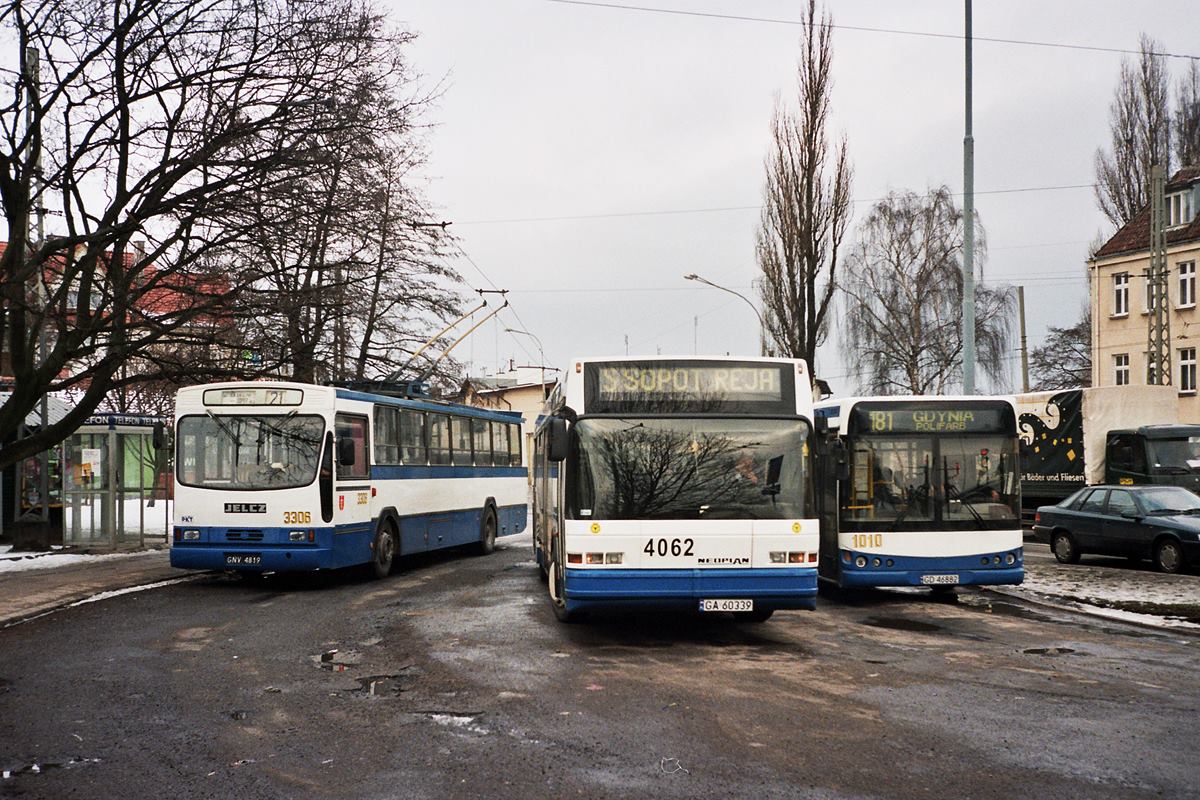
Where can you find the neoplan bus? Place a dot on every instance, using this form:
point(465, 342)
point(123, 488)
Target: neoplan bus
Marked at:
point(928, 492)
point(681, 481)
point(274, 477)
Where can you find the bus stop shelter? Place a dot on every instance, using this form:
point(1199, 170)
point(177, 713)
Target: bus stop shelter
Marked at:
point(116, 486)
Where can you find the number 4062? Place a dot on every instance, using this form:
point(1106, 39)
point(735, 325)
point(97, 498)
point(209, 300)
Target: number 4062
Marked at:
point(665, 547)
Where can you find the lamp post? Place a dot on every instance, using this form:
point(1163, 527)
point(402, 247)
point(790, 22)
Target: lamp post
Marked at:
point(762, 326)
point(541, 354)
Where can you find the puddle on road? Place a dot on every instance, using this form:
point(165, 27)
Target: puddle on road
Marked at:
point(901, 624)
point(381, 685)
point(5, 685)
point(38, 767)
point(337, 660)
point(1048, 651)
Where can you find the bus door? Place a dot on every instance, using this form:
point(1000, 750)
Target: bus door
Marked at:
point(352, 486)
point(832, 460)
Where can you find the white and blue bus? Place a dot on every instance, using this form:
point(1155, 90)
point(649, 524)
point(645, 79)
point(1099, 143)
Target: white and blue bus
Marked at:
point(929, 492)
point(677, 481)
point(273, 477)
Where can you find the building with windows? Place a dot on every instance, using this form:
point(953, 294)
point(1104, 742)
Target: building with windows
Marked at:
point(1121, 301)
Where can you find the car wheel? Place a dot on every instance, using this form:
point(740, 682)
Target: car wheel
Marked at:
point(1168, 556)
point(1063, 545)
point(384, 551)
point(758, 615)
point(487, 532)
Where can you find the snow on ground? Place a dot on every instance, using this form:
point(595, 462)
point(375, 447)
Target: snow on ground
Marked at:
point(20, 562)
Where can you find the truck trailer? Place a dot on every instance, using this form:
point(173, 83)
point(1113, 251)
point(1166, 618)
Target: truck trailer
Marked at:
point(1109, 434)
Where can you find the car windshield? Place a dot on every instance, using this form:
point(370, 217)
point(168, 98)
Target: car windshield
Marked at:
point(966, 481)
point(1160, 499)
point(229, 451)
point(628, 468)
point(1176, 455)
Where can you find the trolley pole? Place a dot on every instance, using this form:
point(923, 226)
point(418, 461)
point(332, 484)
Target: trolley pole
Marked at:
point(35, 141)
point(968, 356)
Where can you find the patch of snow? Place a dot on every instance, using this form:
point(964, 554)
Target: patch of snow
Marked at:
point(26, 561)
point(462, 721)
point(132, 589)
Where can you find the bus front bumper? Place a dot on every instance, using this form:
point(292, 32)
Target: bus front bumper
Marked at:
point(271, 558)
point(774, 588)
point(925, 571)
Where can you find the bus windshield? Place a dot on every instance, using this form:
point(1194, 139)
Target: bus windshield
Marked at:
point(248, 452)
point(629, 468)
point(966, 481)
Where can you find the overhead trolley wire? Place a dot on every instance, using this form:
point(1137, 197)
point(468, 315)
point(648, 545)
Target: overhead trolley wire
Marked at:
point(866, 29)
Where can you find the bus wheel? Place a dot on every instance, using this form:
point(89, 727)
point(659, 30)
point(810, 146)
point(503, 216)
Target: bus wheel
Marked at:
point(384, 549)
point(487, 532)
point(758, 615)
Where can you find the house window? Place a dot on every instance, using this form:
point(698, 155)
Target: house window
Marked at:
point(1187, 369)
point(1187, 284)
point(1179, 209)
point(1121, 369)
point(1120, 294)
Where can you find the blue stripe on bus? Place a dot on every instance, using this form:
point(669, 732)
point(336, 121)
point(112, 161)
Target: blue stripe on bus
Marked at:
point(393, 472)
point(908, 570)
point(336, 546)
point(783, 587)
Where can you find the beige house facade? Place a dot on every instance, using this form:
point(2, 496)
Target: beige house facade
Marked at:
point(1120, 299)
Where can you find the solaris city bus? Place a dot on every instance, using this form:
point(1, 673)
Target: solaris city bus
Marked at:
point(929, 492)
point(683, 481)
point(292, 476)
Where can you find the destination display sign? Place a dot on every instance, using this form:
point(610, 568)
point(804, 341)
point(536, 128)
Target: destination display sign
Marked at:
point(688, 386)
point(948, 417)
point(253, 396)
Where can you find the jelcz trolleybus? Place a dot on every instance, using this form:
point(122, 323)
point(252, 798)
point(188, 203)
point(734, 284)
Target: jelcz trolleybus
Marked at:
point(680, 481)
point(928, 492)
point(292, 476)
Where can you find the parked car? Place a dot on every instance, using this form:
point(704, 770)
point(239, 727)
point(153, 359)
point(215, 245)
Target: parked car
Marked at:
point(1157, 522)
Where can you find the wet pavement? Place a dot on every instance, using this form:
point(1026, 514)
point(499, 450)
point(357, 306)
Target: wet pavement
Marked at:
point(453, 679)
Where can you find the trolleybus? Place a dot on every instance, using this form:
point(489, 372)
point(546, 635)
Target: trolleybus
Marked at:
point(683, 481)
point(928, 492)
point(291, 476)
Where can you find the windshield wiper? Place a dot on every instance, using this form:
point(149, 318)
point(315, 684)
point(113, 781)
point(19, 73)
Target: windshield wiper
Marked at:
point(237, 441)
point(1166, 511)
point(924, 491)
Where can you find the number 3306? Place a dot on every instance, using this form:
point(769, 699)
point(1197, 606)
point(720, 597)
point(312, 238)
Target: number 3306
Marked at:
point(665, 547)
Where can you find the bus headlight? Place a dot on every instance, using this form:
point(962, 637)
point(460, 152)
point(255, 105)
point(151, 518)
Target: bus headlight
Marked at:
point(614, 558)
point(191, 536)
point(297, 536)
point(778, 557)
point(861, 561)
point(1010, 559)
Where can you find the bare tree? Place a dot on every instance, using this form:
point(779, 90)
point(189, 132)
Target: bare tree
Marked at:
point(162, 121)
point(806, 206)
point(1064, 361)
point(1186, 128)
point(1140, 131)
point(902, 327)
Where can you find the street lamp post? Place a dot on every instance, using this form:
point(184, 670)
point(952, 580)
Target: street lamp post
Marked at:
point(541, 354)
point(762, 326)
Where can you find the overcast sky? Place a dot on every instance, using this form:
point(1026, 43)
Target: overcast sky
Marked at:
point(589, 157)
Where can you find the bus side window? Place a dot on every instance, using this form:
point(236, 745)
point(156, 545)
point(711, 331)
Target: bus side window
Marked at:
point(412, 437)
point(460, 438)
point(439, 439)
point(481, 438)
point(499, 444)
point(387, 435)
point(514, 445)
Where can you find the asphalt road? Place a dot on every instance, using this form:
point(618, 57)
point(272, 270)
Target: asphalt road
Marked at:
point(453, 679)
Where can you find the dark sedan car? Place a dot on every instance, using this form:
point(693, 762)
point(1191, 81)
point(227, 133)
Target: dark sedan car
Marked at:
point(1157, 522)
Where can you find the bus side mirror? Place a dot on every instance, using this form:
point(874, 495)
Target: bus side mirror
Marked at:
point(159, 438)
point(841, 463)
point(558, 439)
point(345, 452)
